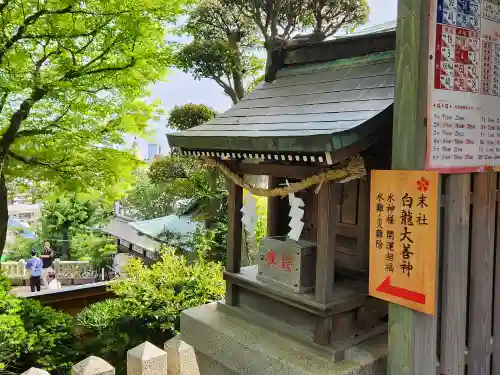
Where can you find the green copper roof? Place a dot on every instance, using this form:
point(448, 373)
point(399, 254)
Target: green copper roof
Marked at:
point(314, 108)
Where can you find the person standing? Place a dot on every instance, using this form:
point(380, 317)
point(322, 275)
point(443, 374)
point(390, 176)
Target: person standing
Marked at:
point(48, 262)
point(34, 265)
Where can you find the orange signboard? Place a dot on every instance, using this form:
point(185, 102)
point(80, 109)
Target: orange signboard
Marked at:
point(404, 208)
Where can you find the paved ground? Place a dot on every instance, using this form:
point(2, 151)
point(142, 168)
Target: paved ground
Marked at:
point(22, 291)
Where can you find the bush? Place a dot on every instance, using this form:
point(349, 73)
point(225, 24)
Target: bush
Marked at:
point(149, 303)
point(34, 336)
point(51, 341)
point(12, 332)
point(159, 293)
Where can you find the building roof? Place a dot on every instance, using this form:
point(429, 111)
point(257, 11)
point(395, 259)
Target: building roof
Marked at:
point(313, 107)
point(121, 229)
point(183, 225)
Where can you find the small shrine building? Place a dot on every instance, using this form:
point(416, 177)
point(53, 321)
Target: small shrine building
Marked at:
point(316, 131)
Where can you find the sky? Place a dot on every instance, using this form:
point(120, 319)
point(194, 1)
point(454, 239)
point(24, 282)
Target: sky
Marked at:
point(180, 88)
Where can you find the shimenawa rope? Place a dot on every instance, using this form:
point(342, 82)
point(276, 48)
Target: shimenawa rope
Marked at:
point(355, 169)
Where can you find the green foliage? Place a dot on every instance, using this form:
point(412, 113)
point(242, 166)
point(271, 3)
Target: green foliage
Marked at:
point(223, 48)
point(21, 248)
point(84, 245)
point(147, 200)
point(278, 20)
point(187, 116)
point(100, 257)
point(75, 210)
point(74, 78)
point(69, 215)
point(102, 315)
point(51, 340)
point(256, 82)
point(12, 332)
point(34, 336)
point(158, 294)
point(149, 303)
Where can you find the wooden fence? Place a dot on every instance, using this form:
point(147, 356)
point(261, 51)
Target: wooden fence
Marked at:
point(468, 317)
point(178, 358)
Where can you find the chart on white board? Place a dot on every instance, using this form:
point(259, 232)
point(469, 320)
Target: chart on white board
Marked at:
point(464, 86)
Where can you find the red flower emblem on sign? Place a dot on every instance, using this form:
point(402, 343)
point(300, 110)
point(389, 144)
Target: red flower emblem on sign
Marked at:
point(270, 258)
point(423, 185)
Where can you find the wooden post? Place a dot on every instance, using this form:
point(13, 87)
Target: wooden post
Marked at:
point(455, 274)
point(234, 231)
point(327, 232)
point(412, 335)
point(481, 273)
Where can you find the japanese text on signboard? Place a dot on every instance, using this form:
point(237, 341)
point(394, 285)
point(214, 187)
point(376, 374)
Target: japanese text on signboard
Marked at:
point(403, 233)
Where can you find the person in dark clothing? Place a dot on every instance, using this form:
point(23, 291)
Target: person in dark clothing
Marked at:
point(48, 261)
point(34, 265)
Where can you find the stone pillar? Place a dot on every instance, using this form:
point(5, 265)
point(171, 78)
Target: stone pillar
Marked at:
point(35, 371)
point(57, 266)
point(21, 269)
point(181, 358)
point(93, 366)
point(146, 359)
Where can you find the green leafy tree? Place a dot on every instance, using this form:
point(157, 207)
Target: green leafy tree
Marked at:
point(72, 75)
point(187, 116)
point(21, 248)
point(279, 20)
point(223, 48)
point(147, 200)
point(84, 244)
point(65, 215)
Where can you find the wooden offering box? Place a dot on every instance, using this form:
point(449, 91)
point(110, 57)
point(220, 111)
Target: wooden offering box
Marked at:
point(287, 263)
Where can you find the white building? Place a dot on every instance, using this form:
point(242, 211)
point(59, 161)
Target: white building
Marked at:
point(26, 213)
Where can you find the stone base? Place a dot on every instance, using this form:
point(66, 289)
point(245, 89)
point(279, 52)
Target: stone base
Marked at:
point(225, 344)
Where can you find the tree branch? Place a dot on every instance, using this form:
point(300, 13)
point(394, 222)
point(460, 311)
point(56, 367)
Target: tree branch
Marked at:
point(3, 100)
point(101, 70)
point(27, 22)
point(17, 118)
point(28, 160)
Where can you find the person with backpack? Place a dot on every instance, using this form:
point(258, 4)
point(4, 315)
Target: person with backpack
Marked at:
point(34, 265)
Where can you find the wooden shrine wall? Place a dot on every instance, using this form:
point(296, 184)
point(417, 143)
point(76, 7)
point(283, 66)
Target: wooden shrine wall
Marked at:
point(469, 295)
point(352, 221)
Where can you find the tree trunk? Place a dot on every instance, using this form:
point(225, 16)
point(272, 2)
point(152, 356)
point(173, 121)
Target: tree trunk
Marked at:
point(65, 241)
point(232, 94)
point(4, 213)
point(237, 69)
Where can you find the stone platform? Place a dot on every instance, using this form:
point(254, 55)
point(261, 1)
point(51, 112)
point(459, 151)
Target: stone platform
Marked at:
point(225, 344)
